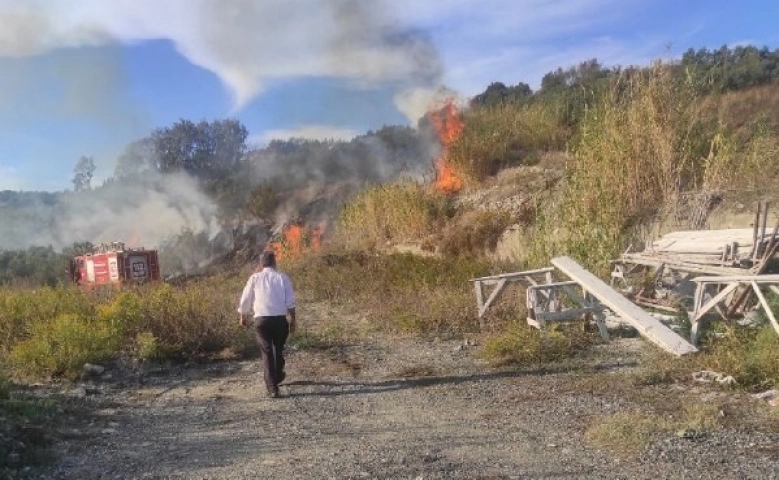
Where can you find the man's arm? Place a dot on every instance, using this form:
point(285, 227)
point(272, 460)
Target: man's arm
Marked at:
point(292, 319)
point(245, 303)
point(289, 298)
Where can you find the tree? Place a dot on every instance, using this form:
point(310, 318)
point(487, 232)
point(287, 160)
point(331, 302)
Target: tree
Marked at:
point(497, 93)
point(206, 150)
point(138, 157)
point(83, 173)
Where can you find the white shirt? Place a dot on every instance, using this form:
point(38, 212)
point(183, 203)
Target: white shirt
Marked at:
point(268, 293)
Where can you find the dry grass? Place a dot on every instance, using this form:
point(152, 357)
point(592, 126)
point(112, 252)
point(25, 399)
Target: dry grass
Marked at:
point(392, 213)
point(397, 292)
point(638, 150)
point(506, 135)
point(473, 233)
point(627, 433)
point(750, 356)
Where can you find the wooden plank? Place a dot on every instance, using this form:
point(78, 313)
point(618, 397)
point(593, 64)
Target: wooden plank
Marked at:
point(549, 286)
point(515, 274)
point(756, 228)
point(678, 265)
point(493, 296)
point(770, 252)
point(495, 282)
point(766, 306)
point(771, 241)
point(479, 297)
point(563, 315)
point(714, 301)
point(763, 228)
point(647, 325)
point(739, 278)
point(600, 321)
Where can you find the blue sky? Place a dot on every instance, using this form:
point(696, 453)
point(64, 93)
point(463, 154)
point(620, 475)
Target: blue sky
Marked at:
point(88, 77)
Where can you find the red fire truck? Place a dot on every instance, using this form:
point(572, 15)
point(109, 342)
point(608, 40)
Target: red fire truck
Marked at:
point(114, 265)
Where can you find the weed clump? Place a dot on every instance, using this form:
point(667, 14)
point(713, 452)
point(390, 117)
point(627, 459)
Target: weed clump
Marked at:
point(628, 432)
point(523, 345)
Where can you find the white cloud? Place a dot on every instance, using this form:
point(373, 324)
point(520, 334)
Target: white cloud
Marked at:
point(308, 132)
point(246, 43)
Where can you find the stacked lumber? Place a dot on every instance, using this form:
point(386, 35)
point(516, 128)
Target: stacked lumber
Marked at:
point(709, 242)
point(716, 252)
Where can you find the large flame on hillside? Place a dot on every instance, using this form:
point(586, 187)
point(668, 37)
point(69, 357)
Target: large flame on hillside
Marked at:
point(449, 127)
point(296, 240)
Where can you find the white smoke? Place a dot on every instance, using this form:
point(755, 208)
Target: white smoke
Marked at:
point(140, 213)
point(246, 43)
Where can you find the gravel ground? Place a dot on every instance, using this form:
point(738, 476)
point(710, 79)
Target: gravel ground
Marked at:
point(404, 408)
point(375, 406)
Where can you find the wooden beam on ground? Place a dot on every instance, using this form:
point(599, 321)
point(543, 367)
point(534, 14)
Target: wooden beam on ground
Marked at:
point(647, 325)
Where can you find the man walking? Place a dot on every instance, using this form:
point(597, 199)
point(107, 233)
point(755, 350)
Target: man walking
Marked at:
point(269, 294)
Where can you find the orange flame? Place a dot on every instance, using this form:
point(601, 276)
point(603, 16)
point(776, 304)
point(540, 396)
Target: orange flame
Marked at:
point(449, 127)
point(296, 240)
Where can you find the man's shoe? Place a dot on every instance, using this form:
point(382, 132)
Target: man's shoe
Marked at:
point(274, 393)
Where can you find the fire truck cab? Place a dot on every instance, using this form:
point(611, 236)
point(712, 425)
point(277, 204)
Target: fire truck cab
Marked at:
point(114, 265)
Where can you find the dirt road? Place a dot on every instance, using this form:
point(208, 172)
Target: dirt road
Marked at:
point(406, 409)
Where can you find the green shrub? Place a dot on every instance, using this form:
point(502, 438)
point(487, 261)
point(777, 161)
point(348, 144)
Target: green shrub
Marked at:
point(125, 311)
point(5, 387)
point(523, 345)
point(750, 356)
point(20, 308)
point(63, 345)
point(147, 346)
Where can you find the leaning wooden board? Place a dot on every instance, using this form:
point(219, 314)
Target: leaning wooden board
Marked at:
point(647, 325)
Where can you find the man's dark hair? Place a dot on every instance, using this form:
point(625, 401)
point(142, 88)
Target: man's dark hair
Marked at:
point(268, 259)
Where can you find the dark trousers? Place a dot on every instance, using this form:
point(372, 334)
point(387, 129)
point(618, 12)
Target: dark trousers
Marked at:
point(272, 333)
